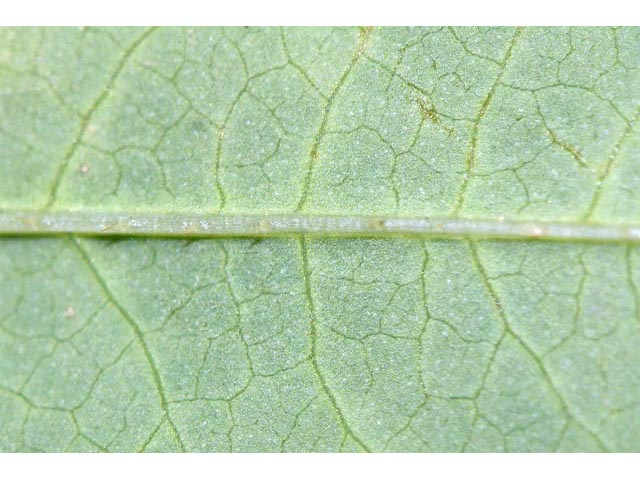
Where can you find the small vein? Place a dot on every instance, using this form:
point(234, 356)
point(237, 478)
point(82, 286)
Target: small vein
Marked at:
point(632, 283)
point(608, 166)
point(221, 130)
point(566, 146)
point(365, 33)
point(470, 158)
point(427, 313)
point(297, 66)
point(497, 304)
point(314, 348)
point(222, 127)
point(136, 330)
point(86, 118)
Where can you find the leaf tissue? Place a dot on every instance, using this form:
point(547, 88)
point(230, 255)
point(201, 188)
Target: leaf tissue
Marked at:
point(319, 239)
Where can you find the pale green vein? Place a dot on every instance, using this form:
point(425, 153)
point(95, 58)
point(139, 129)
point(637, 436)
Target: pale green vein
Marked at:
point(138, 333)
point(314, 348)
point(472, 150)
point(608, 166)
point(313, 152)
point(497, 303)
point(86, 118)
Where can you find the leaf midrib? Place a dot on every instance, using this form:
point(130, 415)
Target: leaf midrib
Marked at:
point(27, 223)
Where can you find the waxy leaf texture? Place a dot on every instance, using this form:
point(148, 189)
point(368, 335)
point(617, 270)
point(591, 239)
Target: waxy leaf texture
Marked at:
point(307, 341)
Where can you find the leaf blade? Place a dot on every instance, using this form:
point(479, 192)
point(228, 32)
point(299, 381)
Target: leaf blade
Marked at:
point(310, 341)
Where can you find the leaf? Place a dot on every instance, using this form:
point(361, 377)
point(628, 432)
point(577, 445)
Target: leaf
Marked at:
point(309, 341)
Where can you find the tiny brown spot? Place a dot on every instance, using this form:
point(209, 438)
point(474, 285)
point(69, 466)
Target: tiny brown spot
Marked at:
point(428, 111)
point(84, 168)
point(376, 224)
point(70, 312)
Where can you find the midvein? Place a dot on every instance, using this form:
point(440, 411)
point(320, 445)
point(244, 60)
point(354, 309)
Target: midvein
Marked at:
point(26, 223)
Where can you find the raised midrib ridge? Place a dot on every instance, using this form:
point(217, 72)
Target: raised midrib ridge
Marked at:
point(206, 225)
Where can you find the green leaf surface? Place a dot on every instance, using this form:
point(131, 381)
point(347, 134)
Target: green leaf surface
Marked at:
point(307, 341)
